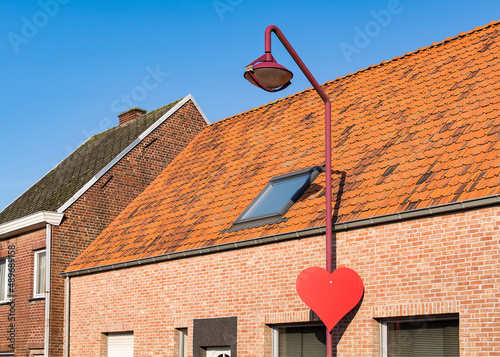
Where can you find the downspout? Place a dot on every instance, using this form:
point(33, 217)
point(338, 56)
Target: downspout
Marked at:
point(48, 273)
point(66, 315)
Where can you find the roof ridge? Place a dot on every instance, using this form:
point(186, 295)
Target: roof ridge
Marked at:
point(371, 67)
point(152, 112)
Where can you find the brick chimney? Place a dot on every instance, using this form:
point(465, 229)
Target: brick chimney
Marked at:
point(130, 114)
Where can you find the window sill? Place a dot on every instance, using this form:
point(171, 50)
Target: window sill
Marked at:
point(8, 302)
point(36, 298)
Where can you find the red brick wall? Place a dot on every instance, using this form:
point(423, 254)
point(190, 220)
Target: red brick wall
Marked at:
point(97, 208)
point(447, 264)
point(28, 315)
point(89, 215)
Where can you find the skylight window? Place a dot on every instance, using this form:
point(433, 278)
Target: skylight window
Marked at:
point(278, 196)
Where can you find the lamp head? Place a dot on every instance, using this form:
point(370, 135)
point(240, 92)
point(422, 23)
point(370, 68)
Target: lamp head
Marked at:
point(268, 74)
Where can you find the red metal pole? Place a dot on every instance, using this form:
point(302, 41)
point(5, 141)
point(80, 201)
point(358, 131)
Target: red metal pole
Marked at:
point(328, 150)
point(328, 194)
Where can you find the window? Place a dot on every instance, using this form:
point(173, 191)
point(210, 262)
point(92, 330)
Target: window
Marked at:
point(278, 196)
point(121, 344)
point(39, 280)
point(183, 333)
point(420, 337)
point(299, 341)
point(4, 280)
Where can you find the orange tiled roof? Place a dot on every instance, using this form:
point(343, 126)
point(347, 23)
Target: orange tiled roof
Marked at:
point(417, 131)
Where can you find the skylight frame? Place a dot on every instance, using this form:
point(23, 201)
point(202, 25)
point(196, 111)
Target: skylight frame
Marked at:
point(276, 216)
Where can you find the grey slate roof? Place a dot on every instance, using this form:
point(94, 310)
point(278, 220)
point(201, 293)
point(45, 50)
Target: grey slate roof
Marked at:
point(64, 180)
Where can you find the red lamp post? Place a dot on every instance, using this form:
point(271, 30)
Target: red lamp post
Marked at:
point(267, 74)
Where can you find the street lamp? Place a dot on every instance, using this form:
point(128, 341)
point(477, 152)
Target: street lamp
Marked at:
point(267, 74)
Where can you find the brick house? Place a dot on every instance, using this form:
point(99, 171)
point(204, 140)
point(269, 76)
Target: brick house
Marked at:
point(55, 219)
point(200, 264)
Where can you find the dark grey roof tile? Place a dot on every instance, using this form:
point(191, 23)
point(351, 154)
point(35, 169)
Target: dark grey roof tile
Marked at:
point(69, 176)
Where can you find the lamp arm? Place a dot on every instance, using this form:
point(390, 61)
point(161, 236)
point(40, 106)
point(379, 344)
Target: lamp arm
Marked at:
point(295, 56)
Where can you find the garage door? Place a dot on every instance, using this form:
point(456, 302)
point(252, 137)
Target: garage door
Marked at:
point(121, 344)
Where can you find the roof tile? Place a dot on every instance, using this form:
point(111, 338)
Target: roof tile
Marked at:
point(420, 130)
point(69, 176)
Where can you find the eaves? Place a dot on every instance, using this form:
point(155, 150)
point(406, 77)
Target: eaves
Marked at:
point(29, 223)
point(310, 232)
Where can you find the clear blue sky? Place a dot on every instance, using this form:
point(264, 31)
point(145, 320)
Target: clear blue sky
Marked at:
point(68, 67)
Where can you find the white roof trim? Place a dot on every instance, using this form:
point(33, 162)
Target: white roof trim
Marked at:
point(199, 108)
point(141, 137)
point(31, 222)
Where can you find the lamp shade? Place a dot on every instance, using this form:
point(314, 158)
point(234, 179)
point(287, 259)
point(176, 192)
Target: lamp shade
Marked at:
point(270, 75)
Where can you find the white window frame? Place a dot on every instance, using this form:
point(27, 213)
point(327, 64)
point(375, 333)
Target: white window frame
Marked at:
point(36, 283)
point(183, 336)
point(6, 298)
point(383, 339)
point(275, 341)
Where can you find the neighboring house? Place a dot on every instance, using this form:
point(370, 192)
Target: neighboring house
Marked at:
point(193, 268)
point(59, 216)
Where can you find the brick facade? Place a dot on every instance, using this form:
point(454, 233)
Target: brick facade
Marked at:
point(83, 221)
point(435, 265)
point(25, 312)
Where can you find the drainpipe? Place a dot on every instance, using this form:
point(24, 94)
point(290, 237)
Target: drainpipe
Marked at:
point(66, 316)
point(48, 273)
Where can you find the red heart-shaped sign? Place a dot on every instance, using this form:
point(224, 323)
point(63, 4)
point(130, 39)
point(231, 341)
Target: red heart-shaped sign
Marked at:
point(330, 296)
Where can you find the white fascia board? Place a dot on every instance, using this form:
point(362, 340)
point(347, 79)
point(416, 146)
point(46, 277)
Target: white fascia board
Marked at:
point(141, 137)
point(199, 108)
point(31, 222)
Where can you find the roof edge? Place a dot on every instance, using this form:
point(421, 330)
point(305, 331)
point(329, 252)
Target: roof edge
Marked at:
point(190, 96)
point(447, 208)
point(29, 223)
point(129, 148)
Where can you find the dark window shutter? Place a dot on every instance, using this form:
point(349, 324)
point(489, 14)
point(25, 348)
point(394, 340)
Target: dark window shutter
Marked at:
point(423, 339)
point(308, 341)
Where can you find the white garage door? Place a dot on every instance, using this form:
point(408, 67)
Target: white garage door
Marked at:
point(121, 344)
